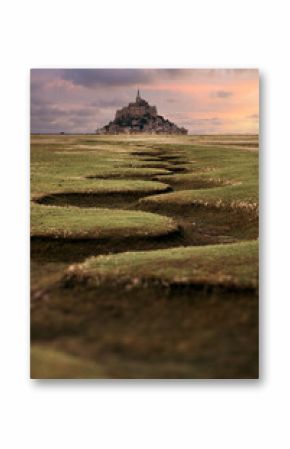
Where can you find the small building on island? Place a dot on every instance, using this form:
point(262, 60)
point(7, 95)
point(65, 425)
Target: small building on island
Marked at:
point(140, 117)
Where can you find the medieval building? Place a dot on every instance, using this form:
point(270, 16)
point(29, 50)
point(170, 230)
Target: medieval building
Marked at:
point(140, 117)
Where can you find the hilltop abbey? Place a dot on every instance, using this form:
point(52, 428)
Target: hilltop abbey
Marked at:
point(140, 117)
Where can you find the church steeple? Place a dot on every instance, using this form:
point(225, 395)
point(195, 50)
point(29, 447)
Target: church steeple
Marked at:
point(138, 96)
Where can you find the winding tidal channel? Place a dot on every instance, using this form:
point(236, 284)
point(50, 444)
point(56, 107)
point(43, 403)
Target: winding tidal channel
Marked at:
point(153, 332)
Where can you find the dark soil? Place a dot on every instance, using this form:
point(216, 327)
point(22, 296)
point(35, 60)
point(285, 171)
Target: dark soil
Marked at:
point(76, 250)
point(113, 200)
point(153, 332)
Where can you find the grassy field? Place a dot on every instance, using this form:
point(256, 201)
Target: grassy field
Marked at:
point(144, 256)
point(232, 266)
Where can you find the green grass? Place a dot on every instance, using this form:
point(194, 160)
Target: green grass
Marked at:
point(60, 164)
point(83, 185)
point(57, 167)
point(217, 197)
point(132, 310)
point(236, 171)
point(231, 265)
point(76, 223)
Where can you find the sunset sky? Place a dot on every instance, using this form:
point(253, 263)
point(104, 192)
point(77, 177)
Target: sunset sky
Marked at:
point(203, 101)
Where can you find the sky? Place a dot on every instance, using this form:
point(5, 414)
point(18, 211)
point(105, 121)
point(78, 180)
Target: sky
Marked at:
point(204, 101)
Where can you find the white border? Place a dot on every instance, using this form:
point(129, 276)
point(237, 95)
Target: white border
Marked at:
point(227, 414)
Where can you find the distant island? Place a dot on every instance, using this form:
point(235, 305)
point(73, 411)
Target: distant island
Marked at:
point(140, 117)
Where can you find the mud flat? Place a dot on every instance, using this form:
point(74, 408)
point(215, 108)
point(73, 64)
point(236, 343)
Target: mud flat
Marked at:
point(147, 268)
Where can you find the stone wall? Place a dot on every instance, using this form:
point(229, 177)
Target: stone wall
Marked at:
point(135, 111)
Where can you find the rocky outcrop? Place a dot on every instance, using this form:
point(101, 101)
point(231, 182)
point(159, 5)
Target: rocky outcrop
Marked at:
point(140, 117)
